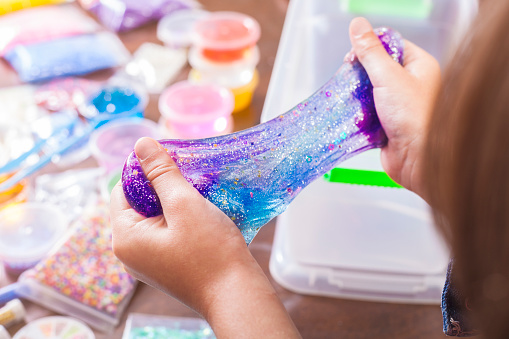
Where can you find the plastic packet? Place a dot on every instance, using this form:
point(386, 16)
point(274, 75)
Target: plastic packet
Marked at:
point(124, 15)
point(145, 326)
point(65, 93)
point(17, 106)
point(68, 56)
point(70, 190)
point(156, 66)
point(42, 24)
point(83, 278)
point(7, 6)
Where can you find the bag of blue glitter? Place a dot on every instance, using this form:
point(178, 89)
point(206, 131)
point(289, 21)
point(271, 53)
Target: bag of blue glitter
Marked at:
point(69, 56)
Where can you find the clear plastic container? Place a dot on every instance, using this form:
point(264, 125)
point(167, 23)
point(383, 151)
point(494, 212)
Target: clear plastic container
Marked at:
point(114, 141)
point(14, 195)
point(226, 36)
point(145, 326)
point(196, 110)
point(28, 232)
point(243, 95)
point(352, 241)
point(4, 334)
point(176, 29)
point(55, 328)
point(231, 75)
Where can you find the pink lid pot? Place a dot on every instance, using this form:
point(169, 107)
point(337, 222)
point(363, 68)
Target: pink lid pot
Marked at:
point(197, 110)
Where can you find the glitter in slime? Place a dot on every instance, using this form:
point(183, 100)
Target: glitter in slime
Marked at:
point(253, 175)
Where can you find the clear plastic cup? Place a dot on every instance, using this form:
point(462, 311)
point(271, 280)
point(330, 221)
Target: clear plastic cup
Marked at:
point(175, 30)
point(196, 110)
point(243, 94)
point(226, 36)
point(14, 195)
point(113, 142)
point(28, 232)
point(231, 75)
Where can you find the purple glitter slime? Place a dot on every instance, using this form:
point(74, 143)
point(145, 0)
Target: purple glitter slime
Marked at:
point(254, 174)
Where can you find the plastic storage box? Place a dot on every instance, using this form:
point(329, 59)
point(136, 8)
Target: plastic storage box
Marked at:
point(353, 241)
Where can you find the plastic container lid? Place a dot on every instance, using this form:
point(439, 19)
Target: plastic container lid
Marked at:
point(28, 231)
point(55, 328)
point(186, 102)
point(233, 74)
point(113, 142)
point(17, 311)
point(3, 333)
point(176, 29)
point(226, 31)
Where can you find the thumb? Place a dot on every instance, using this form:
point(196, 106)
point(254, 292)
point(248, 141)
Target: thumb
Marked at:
point(381, 68)
point(161, 171)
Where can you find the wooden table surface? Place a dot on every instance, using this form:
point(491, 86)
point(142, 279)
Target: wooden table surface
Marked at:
point(315, 317)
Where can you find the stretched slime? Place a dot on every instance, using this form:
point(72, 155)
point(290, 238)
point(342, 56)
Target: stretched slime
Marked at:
point(253, 175)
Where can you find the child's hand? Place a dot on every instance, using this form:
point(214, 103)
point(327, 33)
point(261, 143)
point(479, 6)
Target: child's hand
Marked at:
point(195, 253)
point(404, 99)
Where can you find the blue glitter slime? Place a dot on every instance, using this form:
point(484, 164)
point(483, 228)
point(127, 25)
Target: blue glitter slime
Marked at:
point(254, 174)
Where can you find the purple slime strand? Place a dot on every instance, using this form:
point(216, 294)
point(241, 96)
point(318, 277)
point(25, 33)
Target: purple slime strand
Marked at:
point(253, 175)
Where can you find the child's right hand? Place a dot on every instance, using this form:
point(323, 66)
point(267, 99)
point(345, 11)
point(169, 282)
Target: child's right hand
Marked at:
point(195, 253)
point(404, 99)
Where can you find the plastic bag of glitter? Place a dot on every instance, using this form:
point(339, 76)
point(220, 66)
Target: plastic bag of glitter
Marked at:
point(83, 278)
point(124, 15)
point(145, 326)
point(68, 56)
point(42, 24)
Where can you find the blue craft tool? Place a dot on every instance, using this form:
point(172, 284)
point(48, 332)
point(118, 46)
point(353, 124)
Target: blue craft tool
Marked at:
point(8, 293)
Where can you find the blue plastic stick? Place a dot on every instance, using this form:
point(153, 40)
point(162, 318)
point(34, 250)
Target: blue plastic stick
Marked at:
point(8, 293)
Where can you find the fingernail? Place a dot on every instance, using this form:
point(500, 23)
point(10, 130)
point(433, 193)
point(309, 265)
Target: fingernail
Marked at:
point(360, 26)
point(145, 147)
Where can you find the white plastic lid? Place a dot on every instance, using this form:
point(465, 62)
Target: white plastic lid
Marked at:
point(17, 308)
point(116, 139)
point(4, 334)
point(189, 102)
point(226, 31)
point(60, 328)
point(176, 29)
point(28, 231)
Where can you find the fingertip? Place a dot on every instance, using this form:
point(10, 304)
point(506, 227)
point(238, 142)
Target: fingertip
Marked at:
point(146, 147)
point(359, 26)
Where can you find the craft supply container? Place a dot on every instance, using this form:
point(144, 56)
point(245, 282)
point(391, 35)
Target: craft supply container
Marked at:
point(154, 326)
point(356, 241)
point(226, 36)
point(176, 29)
point(111, 143)
point(240, 76)
point(28, 232)
point(193, 111)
